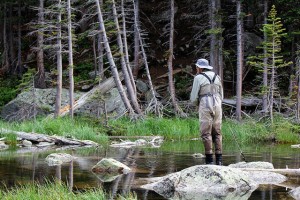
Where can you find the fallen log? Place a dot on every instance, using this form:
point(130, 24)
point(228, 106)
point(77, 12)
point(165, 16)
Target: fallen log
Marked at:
point(285, 172)
point(58, 140)
point(251, 101)
point(101, 88)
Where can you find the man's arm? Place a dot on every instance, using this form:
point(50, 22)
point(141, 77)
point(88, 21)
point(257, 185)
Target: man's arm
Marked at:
point(195, 91)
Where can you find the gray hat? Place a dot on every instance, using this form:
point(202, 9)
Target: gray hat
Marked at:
point(203, 63)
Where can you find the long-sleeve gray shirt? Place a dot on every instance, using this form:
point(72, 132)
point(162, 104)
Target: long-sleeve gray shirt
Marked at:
point(201, 80)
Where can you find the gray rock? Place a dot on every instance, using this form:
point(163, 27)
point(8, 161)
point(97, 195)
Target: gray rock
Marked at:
point(58, 159)
point(95, 105)
point(295, 193)
point(141, 86)
point(256, 165)
point(3, 146)
point(260, 177)
point(45, 144)
point(110, 165)
point(22, 107)
point(203, 179)
point(26, 143)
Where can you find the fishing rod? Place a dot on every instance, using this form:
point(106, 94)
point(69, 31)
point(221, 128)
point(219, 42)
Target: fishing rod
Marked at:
point(237, 143)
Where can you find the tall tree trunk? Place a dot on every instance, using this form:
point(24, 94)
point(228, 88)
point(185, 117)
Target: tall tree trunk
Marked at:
point(40, 51)
point(6, 63)
point(136, 66)
point(265, 63)
point(272, 80)
point(71, 65)
point(59, 63)
point(112, 62)
point(298, 79)
point(239, 59)
point(170, 62)
point(213, 36)
point(19, 62)
point(127, 79)
point(126, 47)
point(153, 103)
point(100, 50)
point(10, 35)
point(220, 44)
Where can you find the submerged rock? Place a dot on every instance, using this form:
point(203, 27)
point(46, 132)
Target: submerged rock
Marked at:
point(58, 159)
point(110, 165)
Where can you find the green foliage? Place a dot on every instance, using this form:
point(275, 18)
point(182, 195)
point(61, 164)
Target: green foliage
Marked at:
point(27, 80)
point(7, 90)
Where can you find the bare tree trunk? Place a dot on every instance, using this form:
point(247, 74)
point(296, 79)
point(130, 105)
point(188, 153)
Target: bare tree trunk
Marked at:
point(11, 41)
point(177, 109)
point(71, 65)
point(127, 79)
point(213, 36)
point(272, 81)
point(136, 39)
point(100, 52)
point(126, 47)
point(59, 63)
point(40, 51)
point(298, 79)
point(112, 62)
point(100, 55)
point(154, 103)
point(19, 62)
point(6, 63)
point(265, 62)
point(239, 59)
point(220, 44)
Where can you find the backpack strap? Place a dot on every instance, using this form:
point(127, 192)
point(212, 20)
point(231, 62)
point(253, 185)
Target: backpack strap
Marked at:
point(210, 81)
point(206, 77)
point(214, 78)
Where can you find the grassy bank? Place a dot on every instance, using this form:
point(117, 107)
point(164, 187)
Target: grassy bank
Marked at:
point(282, 131)
point(55, 191)
point(78, 128)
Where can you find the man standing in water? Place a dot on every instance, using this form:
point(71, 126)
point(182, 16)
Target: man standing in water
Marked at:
point(207, 91)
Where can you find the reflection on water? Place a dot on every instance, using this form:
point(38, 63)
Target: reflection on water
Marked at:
point(19, 169)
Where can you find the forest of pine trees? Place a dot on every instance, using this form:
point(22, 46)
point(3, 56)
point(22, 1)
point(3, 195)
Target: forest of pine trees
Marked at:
point(253, 46)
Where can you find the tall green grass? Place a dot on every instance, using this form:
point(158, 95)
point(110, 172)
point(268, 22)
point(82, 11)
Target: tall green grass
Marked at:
point(177, 129)
point(282, 130)
point(53, 191)
point(77, 128)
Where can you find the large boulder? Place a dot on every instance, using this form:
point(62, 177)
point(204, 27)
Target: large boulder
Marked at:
point(96, 105)
point(203, 181)
point(29, 103)
point(214, 182)
point(110, 165)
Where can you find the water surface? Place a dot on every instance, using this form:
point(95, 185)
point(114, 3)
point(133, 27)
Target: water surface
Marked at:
point(22, 168)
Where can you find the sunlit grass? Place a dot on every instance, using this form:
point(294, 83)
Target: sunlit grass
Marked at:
point(53, 191)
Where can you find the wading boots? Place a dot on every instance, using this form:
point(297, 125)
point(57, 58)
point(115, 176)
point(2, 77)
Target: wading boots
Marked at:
point(219, 159)
point(209, 159)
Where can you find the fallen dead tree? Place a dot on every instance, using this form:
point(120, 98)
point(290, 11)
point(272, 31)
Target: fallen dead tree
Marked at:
point(57, 140)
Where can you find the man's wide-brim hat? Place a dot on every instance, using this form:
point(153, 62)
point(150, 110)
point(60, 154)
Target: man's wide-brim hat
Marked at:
point(203, 63)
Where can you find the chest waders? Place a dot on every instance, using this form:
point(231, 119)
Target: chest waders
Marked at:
point(210, 113)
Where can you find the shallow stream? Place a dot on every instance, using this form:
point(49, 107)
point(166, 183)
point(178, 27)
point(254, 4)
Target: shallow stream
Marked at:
point(17, 168)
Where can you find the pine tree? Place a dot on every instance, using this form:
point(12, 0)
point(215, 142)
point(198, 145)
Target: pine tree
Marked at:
point(274, 32)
